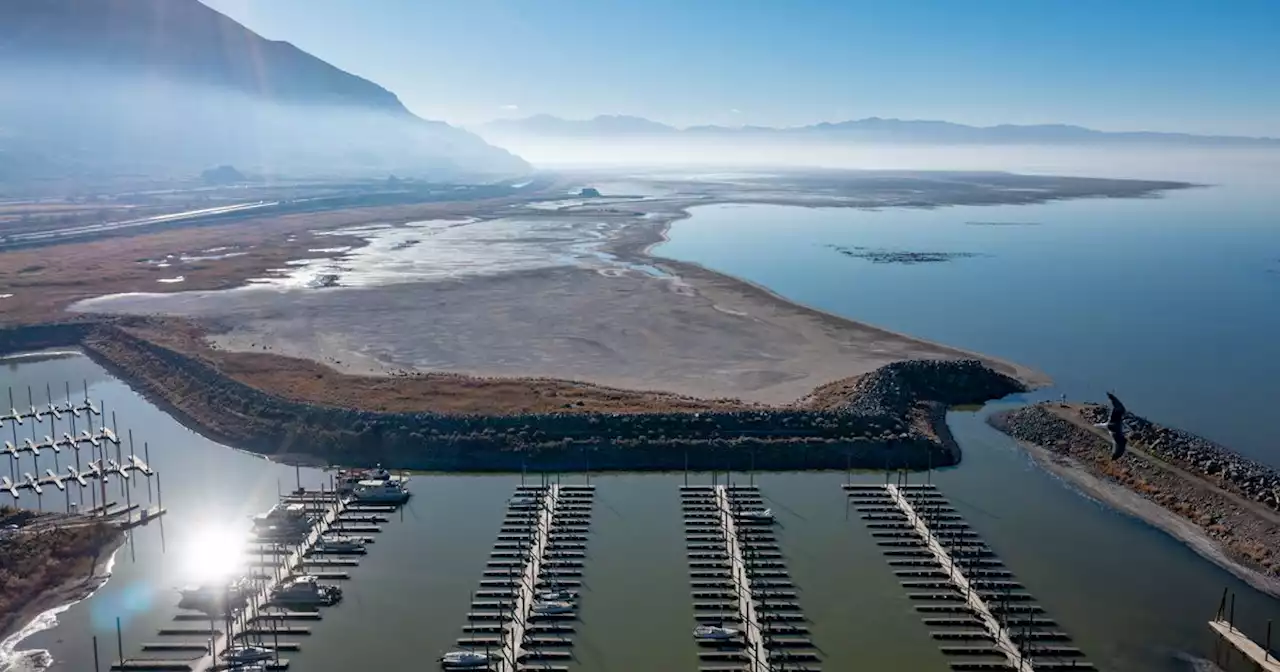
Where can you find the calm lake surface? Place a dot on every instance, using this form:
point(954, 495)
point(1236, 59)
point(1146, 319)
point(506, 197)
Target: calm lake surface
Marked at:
point(1133, 598)
point(1172, 302)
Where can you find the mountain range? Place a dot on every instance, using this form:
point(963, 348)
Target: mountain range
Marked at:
point(174, 87)
point(872, 129)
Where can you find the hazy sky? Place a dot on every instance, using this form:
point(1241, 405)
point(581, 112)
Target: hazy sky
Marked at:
point(1172, 65)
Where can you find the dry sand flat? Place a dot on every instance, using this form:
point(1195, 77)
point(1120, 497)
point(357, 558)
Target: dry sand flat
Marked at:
point(699, 334)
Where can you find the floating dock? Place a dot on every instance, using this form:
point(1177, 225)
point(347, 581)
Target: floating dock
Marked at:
point(981, 616)
point(199, 638)
point(739, 581)
point(523, 616)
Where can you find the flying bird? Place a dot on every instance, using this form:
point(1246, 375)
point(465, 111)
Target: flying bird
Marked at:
point(1115, 427)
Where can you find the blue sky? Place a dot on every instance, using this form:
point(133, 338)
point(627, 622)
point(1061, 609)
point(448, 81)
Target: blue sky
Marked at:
point(1169, 65)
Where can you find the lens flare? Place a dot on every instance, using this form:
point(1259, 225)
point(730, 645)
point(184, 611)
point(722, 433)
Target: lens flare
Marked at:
point(214, 553)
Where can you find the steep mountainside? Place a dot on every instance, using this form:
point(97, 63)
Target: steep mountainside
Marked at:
point(152, 86)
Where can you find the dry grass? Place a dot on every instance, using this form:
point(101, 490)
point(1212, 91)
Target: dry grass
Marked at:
point(34, 563)
point(45, 280)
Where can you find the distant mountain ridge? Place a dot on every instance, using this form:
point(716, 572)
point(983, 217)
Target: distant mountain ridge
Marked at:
point(869, 129)
point(173, 87)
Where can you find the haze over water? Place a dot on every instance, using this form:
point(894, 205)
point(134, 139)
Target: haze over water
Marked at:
point(1169, 301)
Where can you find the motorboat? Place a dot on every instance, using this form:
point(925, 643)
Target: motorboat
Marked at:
point(552, 607)
point(340, 544)
point(380, 492)
point(557, 595)
point(715, 633)
point(306, 590)
point(756, 515)
point(349, 479)
point(248, 654)
point(215, 598)
point(283, 519)
point(464, 660)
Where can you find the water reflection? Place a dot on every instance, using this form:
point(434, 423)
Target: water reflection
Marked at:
point(214, 553)
point(1133, 598)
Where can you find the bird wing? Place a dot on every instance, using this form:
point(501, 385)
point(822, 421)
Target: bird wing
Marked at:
point(1117, 410)
point(1118, 443)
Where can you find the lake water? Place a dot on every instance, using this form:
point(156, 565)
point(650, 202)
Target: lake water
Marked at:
point(1169, 301)
point(1172, 302)
point(1133, 598)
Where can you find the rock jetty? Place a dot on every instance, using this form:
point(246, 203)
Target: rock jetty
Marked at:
point(1231, 499)
point(892, 416)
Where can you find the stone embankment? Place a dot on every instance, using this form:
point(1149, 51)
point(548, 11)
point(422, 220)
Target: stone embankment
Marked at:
point(1200, 456)
point(1232, 500)
point(893, 416)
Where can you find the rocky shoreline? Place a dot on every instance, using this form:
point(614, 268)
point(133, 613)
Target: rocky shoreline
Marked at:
point(893, 416)
point(1223, 505)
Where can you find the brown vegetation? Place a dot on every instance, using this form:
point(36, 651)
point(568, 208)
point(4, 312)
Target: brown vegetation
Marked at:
point(38, 559)
point(45, 280)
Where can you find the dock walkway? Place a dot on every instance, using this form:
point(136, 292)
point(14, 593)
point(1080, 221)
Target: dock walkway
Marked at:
point(283, 568)
point(1257, 653)
point(1003, 641)
point(757, 653)
point(526, 592)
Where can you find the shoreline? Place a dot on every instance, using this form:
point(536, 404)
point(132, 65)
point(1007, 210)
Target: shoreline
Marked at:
point(1033, 378)
point(18, 626)
point(1235, 532)
point(1134, 505)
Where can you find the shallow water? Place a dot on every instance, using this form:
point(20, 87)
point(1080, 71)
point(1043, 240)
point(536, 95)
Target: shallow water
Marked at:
point(1137, 606)
point(1171, 301)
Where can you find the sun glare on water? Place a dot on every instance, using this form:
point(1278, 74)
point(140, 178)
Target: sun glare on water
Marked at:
point(214, 553)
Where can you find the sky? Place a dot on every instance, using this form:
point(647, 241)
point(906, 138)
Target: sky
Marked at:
point(1165, 65)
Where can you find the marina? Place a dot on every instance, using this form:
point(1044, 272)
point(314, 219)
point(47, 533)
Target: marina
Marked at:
point(854, 603)
point(279, 591)
point(89, 473)
point(523, 615)
point(747, 617)
point(984, 618)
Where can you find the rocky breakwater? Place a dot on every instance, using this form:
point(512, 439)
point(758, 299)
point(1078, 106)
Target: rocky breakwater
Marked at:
point(915, 394)
point(891, 416)
point(1223, 505)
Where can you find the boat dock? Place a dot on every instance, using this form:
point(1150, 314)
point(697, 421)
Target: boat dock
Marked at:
point(983, 618)
point(1239, 647)
point(522, 618)
point(739, 582)
point(259, 615)
point(88, 474)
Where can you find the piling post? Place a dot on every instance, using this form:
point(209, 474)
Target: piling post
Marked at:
point(120, 461)
point(1231, 614)
point(96, 666)
point(1222, 604)
point(119, 640)
point(1267, 647)
point(159, 492)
